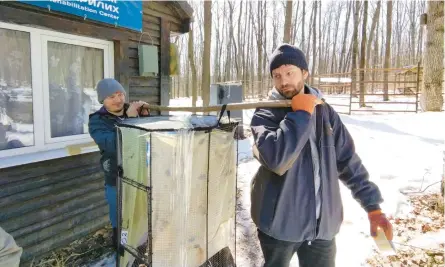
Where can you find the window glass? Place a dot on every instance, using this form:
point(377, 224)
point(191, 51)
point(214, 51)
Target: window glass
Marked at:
point(73, 72)
point(16, 106)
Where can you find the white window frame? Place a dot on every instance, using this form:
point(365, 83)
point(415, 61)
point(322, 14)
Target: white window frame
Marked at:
point(46, 147)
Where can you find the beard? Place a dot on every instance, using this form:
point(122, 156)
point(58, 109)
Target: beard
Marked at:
point(290, 90)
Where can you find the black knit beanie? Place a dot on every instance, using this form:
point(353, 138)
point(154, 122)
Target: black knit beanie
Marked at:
point(287, 54)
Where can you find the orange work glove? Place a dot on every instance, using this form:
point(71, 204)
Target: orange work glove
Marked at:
point(304, 102)
point(378, 219)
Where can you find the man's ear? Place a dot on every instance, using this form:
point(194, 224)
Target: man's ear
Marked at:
point(305, 74)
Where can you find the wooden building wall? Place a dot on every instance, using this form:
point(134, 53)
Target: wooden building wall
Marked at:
point(48, 204)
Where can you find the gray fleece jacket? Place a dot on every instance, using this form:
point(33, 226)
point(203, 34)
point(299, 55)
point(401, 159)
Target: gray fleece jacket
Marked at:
point(285, 188)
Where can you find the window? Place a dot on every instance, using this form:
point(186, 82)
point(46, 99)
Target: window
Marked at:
point(16, 106)
point(47, 91)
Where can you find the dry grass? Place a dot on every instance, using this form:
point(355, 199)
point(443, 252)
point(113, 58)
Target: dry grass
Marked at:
point(427, 217)
point(79, 252)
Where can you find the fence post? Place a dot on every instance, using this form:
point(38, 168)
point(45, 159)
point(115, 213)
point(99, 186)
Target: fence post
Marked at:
point(350, 90)
point(417, 86)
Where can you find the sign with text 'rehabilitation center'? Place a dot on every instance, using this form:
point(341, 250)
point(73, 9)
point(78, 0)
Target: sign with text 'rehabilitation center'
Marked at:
point(125, 14)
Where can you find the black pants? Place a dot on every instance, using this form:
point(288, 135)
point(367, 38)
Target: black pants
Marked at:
point(277, 253)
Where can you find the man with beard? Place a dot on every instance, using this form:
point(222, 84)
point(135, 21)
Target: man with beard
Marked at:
point(102, 128)
point(304, 151)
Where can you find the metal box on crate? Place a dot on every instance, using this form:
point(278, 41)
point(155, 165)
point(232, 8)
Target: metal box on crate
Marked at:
point(177, 191)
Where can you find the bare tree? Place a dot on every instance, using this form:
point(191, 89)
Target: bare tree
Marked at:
point(287, 22)
point(363, 55)
point(314, 42)
point(373, 31)
point(206, 53)
point(238, 51)
point(345, 35)
point(295, 25)
point(302, 26)
point(334, 60)
point(387, 49)
point(412, 31)
point(355, 47)
point(191, 57)
point(432, 98)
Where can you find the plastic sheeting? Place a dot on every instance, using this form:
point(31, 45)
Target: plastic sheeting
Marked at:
point(191, 169)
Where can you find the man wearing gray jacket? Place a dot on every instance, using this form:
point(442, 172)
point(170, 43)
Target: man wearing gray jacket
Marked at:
point(304, 151)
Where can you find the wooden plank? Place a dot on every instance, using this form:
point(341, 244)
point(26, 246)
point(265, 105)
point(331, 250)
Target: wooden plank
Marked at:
point(34, 220)
point(179, 27)
point(232, 106)
point(157, 9)
point(144, 81)
point(154, 26)
point(46, 184)
point(55, 229)
point(145, 40)
point(165, 64)
point(145, 91)
point(151, 33)
point(146, 18)
point(382, 110)
point(133, 63)
point(38, 251)
point(133, 72)
point(148, 99)
point(161, 15)
point(50, 199)
point(162, 7)
point(133, 53)
point(386, 102)
point(29, 171)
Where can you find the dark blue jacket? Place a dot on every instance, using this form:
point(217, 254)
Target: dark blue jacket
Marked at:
point(283, 194)
point(102, 128)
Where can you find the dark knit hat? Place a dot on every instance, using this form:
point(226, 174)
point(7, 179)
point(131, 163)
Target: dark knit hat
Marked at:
point(107, 87)
point(287, 54)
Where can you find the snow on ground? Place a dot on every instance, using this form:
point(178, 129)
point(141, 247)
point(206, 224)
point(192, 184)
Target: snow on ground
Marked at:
point(374, 104)
point(402, 152)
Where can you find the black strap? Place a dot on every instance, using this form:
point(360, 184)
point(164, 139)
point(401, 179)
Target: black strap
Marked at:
point(223, 108)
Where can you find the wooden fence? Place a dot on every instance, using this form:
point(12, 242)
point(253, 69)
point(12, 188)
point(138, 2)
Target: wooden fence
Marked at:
point(372, 90)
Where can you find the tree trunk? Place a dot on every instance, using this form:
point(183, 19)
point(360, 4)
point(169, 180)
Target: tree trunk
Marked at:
point(363, 55)
point(431, 97)
point(412, 32)
point(345, 35)
point(376, 60)
point(191, 57)
point(264, 45)
point(311, 20)
point(355, 49)
point(239, 60)
point(275, 27)
point(206, 52)
point(334, 62)
point(319, 50)
point(303, 26)
point(373, 31)
point(287, 22)
point(314, 42)
point(387, 49)
point(295, 25)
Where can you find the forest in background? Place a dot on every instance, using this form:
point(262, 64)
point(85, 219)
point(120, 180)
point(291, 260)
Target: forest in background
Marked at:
point(336, 36)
